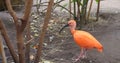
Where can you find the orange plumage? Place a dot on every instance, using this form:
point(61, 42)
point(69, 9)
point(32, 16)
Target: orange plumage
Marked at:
point(86, 40)
point(83, 39)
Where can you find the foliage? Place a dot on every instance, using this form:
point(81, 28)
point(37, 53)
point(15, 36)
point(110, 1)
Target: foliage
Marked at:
point(97, 1)
point(76, 1)
point(80, 10)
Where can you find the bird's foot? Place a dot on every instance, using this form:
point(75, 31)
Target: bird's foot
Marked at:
point(83, 56)
point(75, 60)
point(80, 57)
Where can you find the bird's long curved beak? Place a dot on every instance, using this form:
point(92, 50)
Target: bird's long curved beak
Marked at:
point(63, 28)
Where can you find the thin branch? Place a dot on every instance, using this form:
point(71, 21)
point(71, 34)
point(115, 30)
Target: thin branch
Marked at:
point(2, 52)
point(28, 43)
point(66, 9)
point(45, 25)
point(8, 42)
point(28, 6)
point(11, 11)
point(59, 2)
point(38, 6)
point(18, 32)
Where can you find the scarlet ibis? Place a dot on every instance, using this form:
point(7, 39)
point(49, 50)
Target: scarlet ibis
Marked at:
point(83, 39)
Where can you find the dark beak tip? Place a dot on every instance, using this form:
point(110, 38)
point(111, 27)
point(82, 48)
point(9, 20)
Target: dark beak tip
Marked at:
point(63, 28)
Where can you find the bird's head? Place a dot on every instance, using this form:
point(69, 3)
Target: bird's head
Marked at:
point(71, 24)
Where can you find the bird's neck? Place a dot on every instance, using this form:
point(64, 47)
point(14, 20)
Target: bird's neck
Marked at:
point(72, 30)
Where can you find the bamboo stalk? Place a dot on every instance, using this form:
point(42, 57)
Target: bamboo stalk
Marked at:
point(83, 13)
point(89, 9)
point(86, 4)
point(70, 8)
point(78, 5)
point(97, 13)
point(74, 5)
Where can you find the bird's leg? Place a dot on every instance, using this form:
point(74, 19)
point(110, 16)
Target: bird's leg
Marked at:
point(84, 54)
point(81, 54)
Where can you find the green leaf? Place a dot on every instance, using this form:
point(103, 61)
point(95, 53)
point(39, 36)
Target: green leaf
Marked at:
point(74, 0)
point(97, 1)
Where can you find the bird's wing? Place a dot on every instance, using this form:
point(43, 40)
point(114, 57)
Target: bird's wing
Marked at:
point(85, 39)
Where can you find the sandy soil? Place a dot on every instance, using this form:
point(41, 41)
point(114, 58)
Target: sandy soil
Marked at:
point(62, 47)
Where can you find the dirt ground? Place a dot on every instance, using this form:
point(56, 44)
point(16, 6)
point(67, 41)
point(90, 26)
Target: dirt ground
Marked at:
point(61, 48)
point(107, 32)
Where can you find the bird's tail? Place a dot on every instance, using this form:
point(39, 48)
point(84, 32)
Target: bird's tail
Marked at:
point(100, 49)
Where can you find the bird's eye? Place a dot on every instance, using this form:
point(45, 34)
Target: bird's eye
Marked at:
point(70, 23)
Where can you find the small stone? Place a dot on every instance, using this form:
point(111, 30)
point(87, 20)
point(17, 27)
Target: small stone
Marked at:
point(36, 34)
point(32, 57)
point(61, 59)
point(51, 38)
point(32, 23)
point(45, 44)
point(90, 61)
point(51, 21)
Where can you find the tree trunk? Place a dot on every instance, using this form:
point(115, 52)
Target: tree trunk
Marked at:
point(20, 26)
